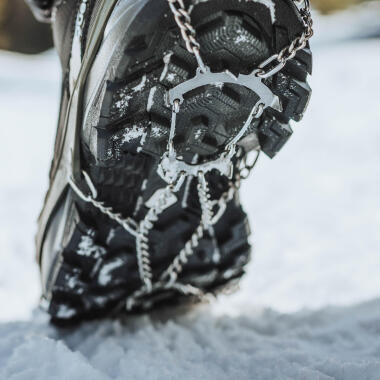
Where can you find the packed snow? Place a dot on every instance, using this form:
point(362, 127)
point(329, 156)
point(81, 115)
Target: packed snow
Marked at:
point(309, 306)
point(334, 343)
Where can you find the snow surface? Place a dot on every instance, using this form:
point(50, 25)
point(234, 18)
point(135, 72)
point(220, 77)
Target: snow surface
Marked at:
point(330, 344)
point(316, 221)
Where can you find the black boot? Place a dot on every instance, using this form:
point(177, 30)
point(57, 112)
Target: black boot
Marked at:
point(154, 130)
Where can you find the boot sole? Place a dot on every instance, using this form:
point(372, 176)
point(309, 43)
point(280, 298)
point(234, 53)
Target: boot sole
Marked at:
point(125, 133)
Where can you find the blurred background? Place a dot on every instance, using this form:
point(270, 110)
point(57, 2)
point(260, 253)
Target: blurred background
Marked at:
point(21, 33)
point(314, 209)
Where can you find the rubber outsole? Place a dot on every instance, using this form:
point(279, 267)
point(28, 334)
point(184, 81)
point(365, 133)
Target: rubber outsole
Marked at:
point(121, 151)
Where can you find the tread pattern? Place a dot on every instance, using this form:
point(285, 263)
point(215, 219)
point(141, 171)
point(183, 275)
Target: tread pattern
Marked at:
point(99, 267)
point(97, 274)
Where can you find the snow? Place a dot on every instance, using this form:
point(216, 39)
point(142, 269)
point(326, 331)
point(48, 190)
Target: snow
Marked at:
point(309, 307)
point(105, 273)
point(140, 86)
point(88, 248)
point(134, 133)
point(166, 67)
point(335, 343)
point(151, 99)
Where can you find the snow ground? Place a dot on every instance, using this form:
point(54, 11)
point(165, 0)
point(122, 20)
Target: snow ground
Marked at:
point(315, 216)
point(335, 343)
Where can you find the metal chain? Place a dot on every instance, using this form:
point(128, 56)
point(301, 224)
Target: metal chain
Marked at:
point(175, 268)
point(277, 62)
point(183, 20)
point(137, 298)
point(247, 168)
point(270, 66)
point(168, 279)
point(204, 199)
point(142, 240)
point(127, 223)
point(208, 218)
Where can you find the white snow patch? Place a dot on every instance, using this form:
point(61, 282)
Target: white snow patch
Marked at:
point(132, 134)
point(71, 281)
point(333, 343)
point(87, 247)
point(141, 85)
point(110, 236)
point(144, 184)
point(166, 60)
point(143, 138)
point(123, 102)
point(156, 132)
point(105, 273)
point(65, 312)
point(241, 38)
point(151, 99)
point(171, 77)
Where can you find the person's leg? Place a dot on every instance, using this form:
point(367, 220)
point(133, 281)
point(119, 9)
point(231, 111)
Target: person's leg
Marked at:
point(154, 131)
point(19, 31)
point(41, 9)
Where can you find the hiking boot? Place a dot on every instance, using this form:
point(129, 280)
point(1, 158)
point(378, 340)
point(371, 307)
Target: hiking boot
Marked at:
point(162, 102)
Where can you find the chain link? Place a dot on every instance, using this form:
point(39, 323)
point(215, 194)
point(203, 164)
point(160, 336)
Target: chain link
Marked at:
point(127, 223)
point(246, 168)
point(175, 268)
point(204, 198)
point(183, 20)
point(266, 69)
point(277, 62)
point(142, 240)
